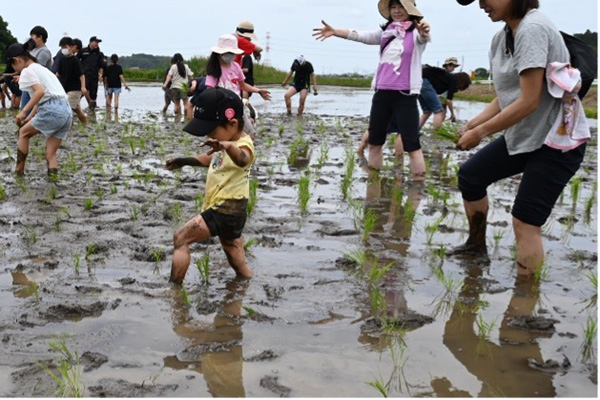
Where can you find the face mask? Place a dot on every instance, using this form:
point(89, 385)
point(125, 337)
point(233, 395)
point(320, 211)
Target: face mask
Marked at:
point(228, 58)
point(65, 52)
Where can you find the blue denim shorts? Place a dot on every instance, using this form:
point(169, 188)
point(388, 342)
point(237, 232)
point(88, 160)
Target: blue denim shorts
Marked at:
point(54, 118)
point(429, 100)
point(113, 90)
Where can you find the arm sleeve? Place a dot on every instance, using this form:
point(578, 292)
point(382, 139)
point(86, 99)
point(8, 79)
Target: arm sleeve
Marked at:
point(211, 81)
point(78, 70)
point(531, 47)
point(247, 46)
point(366, 37)
point(28, 78)
point(44, 57)
point(452, 87)
point(172, 70)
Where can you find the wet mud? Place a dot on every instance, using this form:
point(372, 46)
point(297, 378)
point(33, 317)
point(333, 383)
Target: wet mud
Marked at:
point(358, 289)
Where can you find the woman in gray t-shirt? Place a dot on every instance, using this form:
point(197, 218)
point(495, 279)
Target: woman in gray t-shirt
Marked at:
point(525, 111)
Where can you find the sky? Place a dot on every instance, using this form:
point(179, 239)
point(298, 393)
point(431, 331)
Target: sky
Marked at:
point(192, 27)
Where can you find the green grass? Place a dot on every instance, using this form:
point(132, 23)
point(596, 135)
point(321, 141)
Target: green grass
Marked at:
point(88, 204)
point(2, 193)
point(253, 196)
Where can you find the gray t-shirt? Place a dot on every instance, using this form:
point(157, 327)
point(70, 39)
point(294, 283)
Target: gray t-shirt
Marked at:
point(537, 43)
point(43, 56)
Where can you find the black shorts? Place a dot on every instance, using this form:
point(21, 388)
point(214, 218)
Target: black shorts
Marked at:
point(393, 105)
point(546, 172)
point(227, 227)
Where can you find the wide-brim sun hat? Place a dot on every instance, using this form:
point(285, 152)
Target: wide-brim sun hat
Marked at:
point(246, 29)
point(409, 5)
point(451, 61)
point(227, 44)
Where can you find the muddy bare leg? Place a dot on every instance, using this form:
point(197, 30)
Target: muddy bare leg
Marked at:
point(530, 250)
point(477, 215)
point(26, 132)
point(193, 231)
point(234, 250)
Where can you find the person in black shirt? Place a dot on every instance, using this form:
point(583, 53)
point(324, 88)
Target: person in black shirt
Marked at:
point(114, 77)
point(439, 81)
point(70, 74)
point(248, 70)
point(304, 73)
point(91, 60)
point(9, 84)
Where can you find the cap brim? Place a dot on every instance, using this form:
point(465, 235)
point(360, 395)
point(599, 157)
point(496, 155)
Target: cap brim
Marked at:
point(223, 50)
point(465, 2)
point(199, 127)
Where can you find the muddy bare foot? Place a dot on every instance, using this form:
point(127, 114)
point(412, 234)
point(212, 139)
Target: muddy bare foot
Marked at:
point(468, 250)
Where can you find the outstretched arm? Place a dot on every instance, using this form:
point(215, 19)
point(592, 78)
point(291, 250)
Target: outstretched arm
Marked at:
point(201, 160)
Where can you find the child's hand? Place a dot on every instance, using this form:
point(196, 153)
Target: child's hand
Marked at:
point(215, 146)
point(265, 94)
point(423, 28)
point(174, 163)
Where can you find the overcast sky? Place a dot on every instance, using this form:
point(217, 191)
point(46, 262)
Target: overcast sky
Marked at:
point(192, 27)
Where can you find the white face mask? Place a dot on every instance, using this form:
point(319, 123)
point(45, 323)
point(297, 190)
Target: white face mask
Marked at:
point(228, 58)
point(65, 51)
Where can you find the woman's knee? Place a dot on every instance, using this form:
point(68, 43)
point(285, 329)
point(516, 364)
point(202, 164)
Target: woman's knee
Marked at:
point(468, 184)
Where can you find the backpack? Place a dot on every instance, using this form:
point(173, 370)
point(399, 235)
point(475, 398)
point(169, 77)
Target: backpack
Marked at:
point(581, 56)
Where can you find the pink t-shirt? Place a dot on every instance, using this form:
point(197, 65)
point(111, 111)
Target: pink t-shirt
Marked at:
point(232, 78)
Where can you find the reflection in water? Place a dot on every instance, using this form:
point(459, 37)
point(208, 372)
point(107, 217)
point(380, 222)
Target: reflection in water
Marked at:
point(502, 369)
point(112, 116)
point(214, 350)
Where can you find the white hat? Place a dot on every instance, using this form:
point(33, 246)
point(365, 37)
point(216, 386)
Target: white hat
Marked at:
point(246, 29)
point(227, 44)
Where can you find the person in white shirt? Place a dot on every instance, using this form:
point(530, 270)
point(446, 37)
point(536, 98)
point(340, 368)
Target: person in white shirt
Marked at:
point(48, 112)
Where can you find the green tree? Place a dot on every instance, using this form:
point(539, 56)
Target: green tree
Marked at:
point(482, 73)
point(6, 38)
point(590, 38)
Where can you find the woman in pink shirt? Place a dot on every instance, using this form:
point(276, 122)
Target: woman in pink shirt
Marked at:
point(397, 83)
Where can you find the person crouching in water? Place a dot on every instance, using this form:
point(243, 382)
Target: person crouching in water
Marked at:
point(219, 114)
point(48, 112)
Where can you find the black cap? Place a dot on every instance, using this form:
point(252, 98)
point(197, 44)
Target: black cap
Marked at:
point(213, 108)
point(465, 2)
point(14, 50)
point(95, 39)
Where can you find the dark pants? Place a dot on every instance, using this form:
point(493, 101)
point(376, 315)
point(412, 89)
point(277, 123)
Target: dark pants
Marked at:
point(91, 84)
point(393, 106)
point(546, 171)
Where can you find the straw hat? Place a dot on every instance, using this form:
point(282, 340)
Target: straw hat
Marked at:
point(227, 44)
point(409, 6)
point(451, 61)
point(246, 29)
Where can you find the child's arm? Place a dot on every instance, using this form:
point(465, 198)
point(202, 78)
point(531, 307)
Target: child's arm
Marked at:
point(124, 83)
point(265, 94)
point(84, 91)
point(38, 93)
point(287, 78)
point(241, 156)
point(201, 160)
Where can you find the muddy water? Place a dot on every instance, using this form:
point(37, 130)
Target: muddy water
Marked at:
point(304, 325)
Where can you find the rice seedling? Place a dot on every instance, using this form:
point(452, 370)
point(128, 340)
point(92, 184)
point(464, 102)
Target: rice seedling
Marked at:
point(434, 191)
point(445, 301)
point(34, 289)
point(281, 130)
point(498, 235)
point(347, 178)
point(250, 243)
point(440, 252)
point(380, 386)
point(432, 228)
point(148, 177)
point(57, 223)
point(99, 193)
point(321, 127)
point(68, 379)
point(119, 168)
point(250, 311)
point(299, 129)
point(77, 263)
point(88, 204)
point(113, 189)
point(484, 328)
point(358, 256)
point(185, 298)
point(304, 192)
point(541, 274)
point(90, 251)
point(203, 265)
point(377, 301)
point(52, 194)
point(589, 334)
point(298, 149)
point(64, 210)
point(30, 236)
point(589, 205)
point(88, 178)
point(131, 142)
point(21, 184)
point(370, 219)
point(2, 193)
point(99, 166)
point(323, 156)
point(378, 272)
point(253, 198)
point(448, 131)
point(133, 214)
point(409, 212)
point(175, 213)
point(142, 143)
point(100, 149)
point(198, 202)
point(575, 186)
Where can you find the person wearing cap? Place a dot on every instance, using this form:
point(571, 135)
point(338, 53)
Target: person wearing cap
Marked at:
point(47, 112)
point(398, 79)
point(179, 74)
point(525, 111)
point(71, 76)
point(92, 60)
point(303, 72)
point(222, 71)
point(441, 82)
point(245, 34)
point(219, 115)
